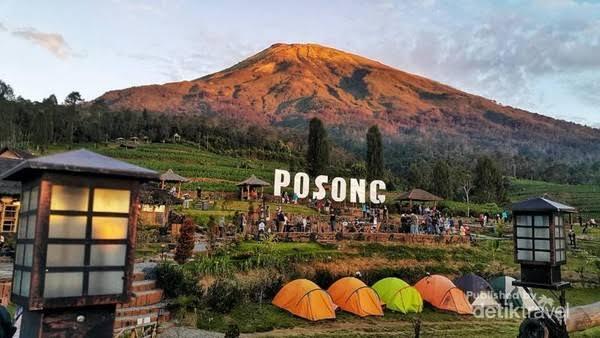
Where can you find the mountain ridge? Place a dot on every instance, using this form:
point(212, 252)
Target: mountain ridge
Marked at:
point(286, 84)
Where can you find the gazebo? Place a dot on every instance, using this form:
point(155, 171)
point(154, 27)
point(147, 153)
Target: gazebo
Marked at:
point(250, 185)
point(171, 177)
point(418, 195)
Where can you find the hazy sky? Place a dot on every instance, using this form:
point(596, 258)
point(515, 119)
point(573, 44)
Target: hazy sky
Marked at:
point(543, 56)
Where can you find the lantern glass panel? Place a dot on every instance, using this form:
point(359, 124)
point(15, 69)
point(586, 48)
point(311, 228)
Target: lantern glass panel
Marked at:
point(542, 233)
point(542, 245)
point(105, 282)
point(63, 284)
point(559, 232)
point(31, 220)
point(69, 198)
point(525, 255)
point(108, 255)
point(25, 283)
point(67, 226)
point(65, 255)
point(559, 243)
point(109, 227)
point(111, 200)
point(33, 199)
point(17, 282)
point(19, 254)
point(524, 232)
point(22, 232)
point(524, 220)
point(542, 256)
point(541, 221)
point(524, 244)
point(25, 202)
point(28, 255)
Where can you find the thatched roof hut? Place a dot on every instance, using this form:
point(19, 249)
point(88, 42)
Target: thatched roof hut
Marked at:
point(418, 195)
point(171, 177)
point(250, 185)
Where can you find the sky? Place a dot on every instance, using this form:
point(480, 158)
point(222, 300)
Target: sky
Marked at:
point(542, 55)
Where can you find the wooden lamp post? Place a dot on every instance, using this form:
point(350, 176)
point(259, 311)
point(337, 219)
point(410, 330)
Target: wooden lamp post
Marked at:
point(540, 248)
point(75, 245)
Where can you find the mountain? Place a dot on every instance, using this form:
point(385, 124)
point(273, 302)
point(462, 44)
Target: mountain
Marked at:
point(286, 84)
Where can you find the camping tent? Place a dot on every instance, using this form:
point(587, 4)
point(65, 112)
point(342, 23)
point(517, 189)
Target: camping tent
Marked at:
point(440, 292)
point(399, 295)
point(477, 289)
point(352, 295)
point(513, 296)
point(305, 299)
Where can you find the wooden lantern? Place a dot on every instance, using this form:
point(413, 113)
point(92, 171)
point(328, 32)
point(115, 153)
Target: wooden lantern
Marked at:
point(540, 241)
point(76, 241)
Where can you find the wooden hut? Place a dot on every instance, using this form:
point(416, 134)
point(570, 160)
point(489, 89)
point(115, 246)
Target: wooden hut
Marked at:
point(418, 195)
point(249, 188)
point(156, 204)
point(171, 177)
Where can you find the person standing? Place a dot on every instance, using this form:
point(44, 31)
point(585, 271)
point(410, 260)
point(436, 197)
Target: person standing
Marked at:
point(332, 219)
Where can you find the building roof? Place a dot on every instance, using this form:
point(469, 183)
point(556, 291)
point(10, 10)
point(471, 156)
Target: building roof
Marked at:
point(542, 204)
point(418, 195)
point(19, 153)
point(80, 161)
point(170, 176)
point(9, 188)
point(253, 181)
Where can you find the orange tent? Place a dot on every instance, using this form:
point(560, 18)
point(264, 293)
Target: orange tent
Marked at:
point(354, 296)
point(440, 292)
point(305, 299)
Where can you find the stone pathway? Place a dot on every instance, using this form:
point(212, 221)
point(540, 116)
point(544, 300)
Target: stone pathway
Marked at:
point(184, 332)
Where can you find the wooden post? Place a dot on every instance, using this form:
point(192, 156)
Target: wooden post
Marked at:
point(583, 317)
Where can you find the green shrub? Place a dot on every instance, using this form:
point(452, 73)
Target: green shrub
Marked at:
point(233, 331)
point(177, 281)
point(460, 208)
point(223, 295)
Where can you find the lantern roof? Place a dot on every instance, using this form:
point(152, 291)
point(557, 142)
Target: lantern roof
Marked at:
point(541, 204)
point(80, 161)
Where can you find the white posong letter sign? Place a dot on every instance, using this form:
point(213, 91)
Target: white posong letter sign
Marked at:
point(339, 188)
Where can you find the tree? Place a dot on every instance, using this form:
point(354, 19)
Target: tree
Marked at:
point(6, 92)
point(72, 100)
point(374, 154)
point(489, 184)
point(186, 241)
point(441, 179)
point(465, 181)
point(419, 175)
point(317, 156)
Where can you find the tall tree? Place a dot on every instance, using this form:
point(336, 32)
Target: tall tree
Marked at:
point(489, 184)
point(6, 92)
point(374, 154)
point(442, 183)
point(72, 100)
point(317, 156)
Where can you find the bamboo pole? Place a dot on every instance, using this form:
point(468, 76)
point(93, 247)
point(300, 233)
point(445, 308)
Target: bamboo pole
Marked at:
point(583, 317)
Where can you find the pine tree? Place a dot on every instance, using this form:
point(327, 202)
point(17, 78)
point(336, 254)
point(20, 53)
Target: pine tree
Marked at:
point(374, 154)
point(186, 241)
point(442, 182)
point(317, 157)
point(489, 184)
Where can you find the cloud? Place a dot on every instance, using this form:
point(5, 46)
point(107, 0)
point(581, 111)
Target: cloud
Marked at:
point(2, 27)
point(53, 42)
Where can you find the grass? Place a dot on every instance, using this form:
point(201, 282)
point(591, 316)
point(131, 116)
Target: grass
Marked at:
point(257, 318)
point(584, 197)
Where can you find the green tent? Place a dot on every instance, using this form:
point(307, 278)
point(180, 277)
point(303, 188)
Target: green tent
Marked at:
point(512, 296)
point(399, 295)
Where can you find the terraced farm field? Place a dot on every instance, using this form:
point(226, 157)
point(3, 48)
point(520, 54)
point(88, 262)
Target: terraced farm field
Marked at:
point(584, 197)
point(212, 171)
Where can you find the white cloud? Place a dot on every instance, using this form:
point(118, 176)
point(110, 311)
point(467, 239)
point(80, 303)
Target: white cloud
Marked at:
point(53, 42)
